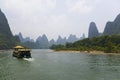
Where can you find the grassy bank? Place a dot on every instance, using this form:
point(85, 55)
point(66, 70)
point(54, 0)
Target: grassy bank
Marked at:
point(105, 44)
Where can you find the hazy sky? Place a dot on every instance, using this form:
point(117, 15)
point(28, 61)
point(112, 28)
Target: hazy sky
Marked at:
point(58, 17)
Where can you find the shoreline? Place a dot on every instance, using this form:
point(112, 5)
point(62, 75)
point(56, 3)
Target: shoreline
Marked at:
point(89, 52)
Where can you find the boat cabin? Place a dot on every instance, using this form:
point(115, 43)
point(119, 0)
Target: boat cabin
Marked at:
point(21, 52)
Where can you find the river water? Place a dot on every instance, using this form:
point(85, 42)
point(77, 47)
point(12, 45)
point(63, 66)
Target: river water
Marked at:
point(50, 65)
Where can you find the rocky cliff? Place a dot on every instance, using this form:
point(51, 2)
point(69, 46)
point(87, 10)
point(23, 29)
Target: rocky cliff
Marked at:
point(112, 28)
point(93, 31)
point(7, 40)
point(4, 26)
point(42, 42)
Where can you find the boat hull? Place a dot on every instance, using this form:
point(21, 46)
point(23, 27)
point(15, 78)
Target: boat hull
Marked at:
point(22, 54)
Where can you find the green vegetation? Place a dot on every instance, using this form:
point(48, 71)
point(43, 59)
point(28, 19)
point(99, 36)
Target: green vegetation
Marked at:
point(108, 44)
point(7, 40)
point(8, 43)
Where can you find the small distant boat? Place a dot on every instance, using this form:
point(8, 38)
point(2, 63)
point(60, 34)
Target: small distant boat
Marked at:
point(21, 52)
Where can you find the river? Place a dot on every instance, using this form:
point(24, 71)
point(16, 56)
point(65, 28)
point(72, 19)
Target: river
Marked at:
point(50, 65)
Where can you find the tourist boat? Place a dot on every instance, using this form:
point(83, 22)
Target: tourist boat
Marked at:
point(21, 52)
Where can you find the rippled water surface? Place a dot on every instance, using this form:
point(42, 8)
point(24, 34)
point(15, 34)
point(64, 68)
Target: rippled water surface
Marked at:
point(50, 65)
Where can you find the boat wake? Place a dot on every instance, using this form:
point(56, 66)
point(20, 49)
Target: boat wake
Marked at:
point(28, 59)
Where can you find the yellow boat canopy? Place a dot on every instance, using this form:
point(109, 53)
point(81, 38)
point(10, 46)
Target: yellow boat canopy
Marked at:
point(18, 47)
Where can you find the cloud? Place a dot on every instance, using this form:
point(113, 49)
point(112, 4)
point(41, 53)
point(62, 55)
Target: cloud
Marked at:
point(54, 20)
point(27, 16)
point(29, 6)
point(79, 6)
point(54, 25)
point(57, 17)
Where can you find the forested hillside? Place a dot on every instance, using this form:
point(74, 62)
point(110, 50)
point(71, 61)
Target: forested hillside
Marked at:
point(7, 40)
point(108, 44)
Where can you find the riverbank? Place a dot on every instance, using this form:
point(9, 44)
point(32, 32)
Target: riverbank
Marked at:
point(88, 52)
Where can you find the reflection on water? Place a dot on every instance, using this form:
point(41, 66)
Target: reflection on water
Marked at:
point(50, 65)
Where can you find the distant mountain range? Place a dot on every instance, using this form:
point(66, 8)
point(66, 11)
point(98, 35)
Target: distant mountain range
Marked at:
point(24, 39)
point(111, 28)
point(8, 41)
point(42, 41)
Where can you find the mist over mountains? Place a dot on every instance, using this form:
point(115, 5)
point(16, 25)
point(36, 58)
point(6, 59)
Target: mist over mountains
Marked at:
point(42, 42)
point(8, 40)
